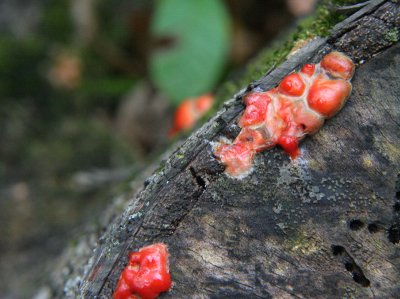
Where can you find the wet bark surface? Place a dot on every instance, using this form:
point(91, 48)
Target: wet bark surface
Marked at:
point(324, 226)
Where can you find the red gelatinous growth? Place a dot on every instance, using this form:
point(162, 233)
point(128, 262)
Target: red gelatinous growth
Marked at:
point(184, 116)
point(292, 85)
point(291, 132)
point(237, 157)
point(256, 109)
point(254, 97)
point(308, 69)
point(189, 112)
point(327, 96)
point(290, 145)
point(284, 115)
point(254, 139)
point(338, 65)
point(146, 275)
point(306, 118)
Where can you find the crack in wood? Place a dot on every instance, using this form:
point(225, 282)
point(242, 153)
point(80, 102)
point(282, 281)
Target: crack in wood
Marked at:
point(394, 229)
point(350, 265)
point(199, 180)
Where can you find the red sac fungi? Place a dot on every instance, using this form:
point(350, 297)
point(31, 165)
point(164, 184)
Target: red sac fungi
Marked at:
point(290, 144)
point(146, 275)
point(292, 85)
point(189, 112)
point(184, 116)
point(284, 115)
point(338, 65)
point(308, 69)
point(327, 97)
point(237, 157)
point(253, 139)
point(255, 111)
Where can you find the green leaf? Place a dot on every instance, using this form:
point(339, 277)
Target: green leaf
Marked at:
point(199, 34)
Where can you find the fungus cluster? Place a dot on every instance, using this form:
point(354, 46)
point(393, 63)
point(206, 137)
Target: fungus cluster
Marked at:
point(283, 115)
point(146, 275)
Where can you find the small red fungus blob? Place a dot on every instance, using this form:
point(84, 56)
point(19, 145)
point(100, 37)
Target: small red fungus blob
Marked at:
point(146, 275)
point(290, 145)
point(254, 139)
point(284, 115)
point(338, 65)
point(328, 96)
point(306, 118)
point(292, 85)
point(189, 112)
point(255, 111)
point(254, 97)
point(184, 117)
point(237, 157)
point(308, 69)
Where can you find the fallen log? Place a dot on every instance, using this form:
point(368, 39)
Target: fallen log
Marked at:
point(324, 226)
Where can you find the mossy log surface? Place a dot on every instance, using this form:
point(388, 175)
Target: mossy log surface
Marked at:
point(324, 226)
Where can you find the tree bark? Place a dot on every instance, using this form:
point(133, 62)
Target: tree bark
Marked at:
point(324, 226)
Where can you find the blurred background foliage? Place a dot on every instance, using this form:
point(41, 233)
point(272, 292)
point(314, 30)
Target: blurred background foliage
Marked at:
point(87, 91)
point(195, 35)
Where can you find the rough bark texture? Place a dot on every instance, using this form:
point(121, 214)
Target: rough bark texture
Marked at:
point(324, 226)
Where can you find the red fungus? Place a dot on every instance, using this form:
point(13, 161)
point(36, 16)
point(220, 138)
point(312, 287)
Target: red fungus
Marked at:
point(254, 139)
point(292, 85)
point(184, 117)
point(254, 97)
point(306, 118)
point(146, 275)
point(327, 97)
point(290, 145)
point(284, 115)
point(338, 65)
point(189, 112)
point(308, 69)
point(255, 111)
point(237, 157)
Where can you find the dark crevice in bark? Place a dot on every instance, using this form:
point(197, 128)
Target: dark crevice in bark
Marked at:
point(200, 181)
point(356, 224)
point(394, 229)
point(394, 233)
point(350, 265)
point(375, 227)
